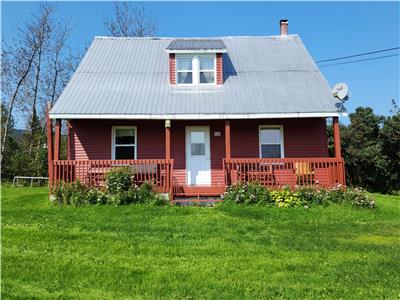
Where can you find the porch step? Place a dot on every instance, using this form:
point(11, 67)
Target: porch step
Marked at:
point(196, 201)
point(214, 191)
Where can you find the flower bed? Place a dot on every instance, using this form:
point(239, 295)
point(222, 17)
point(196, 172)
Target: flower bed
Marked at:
point(255, 194)
point(119, 190)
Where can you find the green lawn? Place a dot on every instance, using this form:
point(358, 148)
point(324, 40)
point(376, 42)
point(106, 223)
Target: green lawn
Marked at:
point(110, 252)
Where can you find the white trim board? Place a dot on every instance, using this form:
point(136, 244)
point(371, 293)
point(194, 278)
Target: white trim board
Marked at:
point(200, 51)
point(198, 116)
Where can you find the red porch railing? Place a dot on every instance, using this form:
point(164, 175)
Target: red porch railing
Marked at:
point(93, 172)
point(316, 172)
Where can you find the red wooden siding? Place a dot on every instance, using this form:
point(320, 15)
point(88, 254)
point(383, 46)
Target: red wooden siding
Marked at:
point(172, 68)
point(302, 137)
point(220, 76)
point(91, 139)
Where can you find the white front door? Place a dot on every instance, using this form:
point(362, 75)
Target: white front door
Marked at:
point(198, 159)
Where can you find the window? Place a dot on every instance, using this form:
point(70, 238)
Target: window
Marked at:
point(196, 69)
point(184, 67)
point(197, 143)
point(271, 142)
point(207, 69)
point(124, 142)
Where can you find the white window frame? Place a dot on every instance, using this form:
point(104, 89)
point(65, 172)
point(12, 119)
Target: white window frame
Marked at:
point(196, 69)
point(182, 71)
point(282, 144)
point(113, 145)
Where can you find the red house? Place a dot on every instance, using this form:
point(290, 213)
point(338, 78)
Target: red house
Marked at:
point(194, 115)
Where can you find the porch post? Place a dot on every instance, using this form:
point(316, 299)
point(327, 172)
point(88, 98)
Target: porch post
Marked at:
point(167, 139)
point(69, 141)
point(49, 144)
point(336, 137)
point(57, 139)
point(227, 139)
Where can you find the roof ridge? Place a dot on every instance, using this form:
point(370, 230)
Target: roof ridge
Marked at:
point(195, 38)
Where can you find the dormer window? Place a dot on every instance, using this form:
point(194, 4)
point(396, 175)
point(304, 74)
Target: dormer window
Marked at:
point(207, 69)
point(184, 70)
point(195, 69)
point(196, 61)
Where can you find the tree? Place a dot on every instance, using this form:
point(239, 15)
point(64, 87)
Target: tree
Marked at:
point(35, 69)
point(16, 64)
point(390, 141)
point(130, 20)
point(366, 164)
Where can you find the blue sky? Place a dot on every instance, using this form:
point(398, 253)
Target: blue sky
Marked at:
point(328, 29)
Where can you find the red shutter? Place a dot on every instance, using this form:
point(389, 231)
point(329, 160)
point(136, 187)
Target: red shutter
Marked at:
point(172, 68)
point(220, 73)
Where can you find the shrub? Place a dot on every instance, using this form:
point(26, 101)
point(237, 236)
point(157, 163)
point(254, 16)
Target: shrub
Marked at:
point(254, 193)
point(77, 194)
point(119, 180)
point(286, 198)
point(69, 193)
point(358, 197)
point(248, 193)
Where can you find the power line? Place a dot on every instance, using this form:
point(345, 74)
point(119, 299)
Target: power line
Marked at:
point(359, 60)
point(356, 55)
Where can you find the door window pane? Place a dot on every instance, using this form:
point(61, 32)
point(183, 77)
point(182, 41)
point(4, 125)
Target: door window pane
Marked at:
point(198, 149)
point(197, 141)
point(197, 137)
point(125, 152)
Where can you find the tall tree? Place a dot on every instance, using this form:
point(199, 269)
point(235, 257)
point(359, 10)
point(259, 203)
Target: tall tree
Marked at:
point(35, 69)
point(366, 164)
point(130, 19)
point(390, 141)
point(17, 62)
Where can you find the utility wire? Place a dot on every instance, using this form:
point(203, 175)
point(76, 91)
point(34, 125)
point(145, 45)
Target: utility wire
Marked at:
point(356, 55)
point(359, 60)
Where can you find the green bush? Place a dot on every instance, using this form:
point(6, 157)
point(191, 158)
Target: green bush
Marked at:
point(70, 194)
point(286, 198)
point(358, 197)
point(247, 194)
point(255, 193)
point(119, 180)
point(76, 194)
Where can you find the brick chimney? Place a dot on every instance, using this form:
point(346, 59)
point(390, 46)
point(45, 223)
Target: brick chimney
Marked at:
point(284, 27)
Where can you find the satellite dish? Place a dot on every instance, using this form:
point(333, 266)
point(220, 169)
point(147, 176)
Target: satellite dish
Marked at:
point(341, 91)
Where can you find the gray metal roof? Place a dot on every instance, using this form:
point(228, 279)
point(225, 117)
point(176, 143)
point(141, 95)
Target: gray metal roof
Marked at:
point(197, 44)
point(128, 77)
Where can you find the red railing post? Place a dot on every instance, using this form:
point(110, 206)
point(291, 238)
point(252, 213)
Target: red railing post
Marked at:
point(171, 181)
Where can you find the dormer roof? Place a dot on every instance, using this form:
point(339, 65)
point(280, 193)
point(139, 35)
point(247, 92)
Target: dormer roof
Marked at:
point(196, 45)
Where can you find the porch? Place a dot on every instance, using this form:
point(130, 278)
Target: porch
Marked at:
point(272, 173)
point(230, 159)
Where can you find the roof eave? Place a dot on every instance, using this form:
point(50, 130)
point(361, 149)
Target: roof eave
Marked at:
point(198, 116)
point(196, 51)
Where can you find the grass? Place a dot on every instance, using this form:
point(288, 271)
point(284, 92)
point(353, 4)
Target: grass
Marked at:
point(147, 252)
